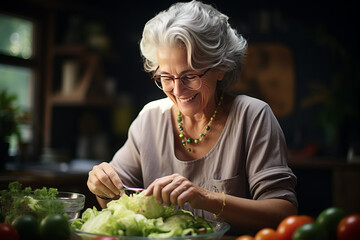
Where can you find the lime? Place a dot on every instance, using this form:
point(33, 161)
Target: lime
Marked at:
point(329, 220)
point(27, 227)
point(55, 227)
point(310, 231)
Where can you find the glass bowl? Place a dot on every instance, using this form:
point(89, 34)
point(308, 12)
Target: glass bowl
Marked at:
point(71, 203)
point(220, 227)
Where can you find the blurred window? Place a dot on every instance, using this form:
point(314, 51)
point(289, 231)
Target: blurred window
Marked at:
point(16, 36)
point(17, 70)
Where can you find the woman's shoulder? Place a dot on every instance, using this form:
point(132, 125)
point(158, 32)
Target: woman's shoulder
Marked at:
point(248, 103)
point(152, 114)
point(157, 106)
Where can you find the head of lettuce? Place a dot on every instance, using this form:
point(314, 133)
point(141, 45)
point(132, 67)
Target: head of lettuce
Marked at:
point(140, 215)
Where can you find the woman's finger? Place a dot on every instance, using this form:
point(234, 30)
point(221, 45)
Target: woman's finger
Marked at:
point(97, 188)
point(186, 196)
point(114, 177)
point(157, 193)
point(103, 177)
point(176, 192)
point(171, 190)
point(157, 186)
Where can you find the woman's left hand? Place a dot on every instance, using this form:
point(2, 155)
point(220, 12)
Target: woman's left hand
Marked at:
point(176, 189)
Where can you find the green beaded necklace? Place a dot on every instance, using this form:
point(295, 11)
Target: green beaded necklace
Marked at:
point(185, 140)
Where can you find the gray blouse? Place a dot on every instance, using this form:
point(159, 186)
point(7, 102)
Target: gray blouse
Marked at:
point(249, 160)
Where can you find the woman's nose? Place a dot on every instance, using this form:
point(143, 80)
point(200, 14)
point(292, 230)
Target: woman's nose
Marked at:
point(178, 86)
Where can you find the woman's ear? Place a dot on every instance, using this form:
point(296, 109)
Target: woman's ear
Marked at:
point(220, 75)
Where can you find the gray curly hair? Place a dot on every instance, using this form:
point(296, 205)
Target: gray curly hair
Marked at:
point(205, 33)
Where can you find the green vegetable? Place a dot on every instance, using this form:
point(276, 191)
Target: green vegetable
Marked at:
point(16, 201)
point(310, 231)
point(329, 219)
point(55, 227)
point(28, 227)
point(100, 224)
point(140, 215)
point(145, 206)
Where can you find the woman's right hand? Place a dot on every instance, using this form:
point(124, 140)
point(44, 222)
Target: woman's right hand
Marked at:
point(104, 181)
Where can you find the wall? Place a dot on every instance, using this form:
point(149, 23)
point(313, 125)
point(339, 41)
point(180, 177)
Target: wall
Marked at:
point(322, 38)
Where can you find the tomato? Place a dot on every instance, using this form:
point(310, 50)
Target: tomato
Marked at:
point(55, 227)
point(310, 231)
point(105, 238)
point(349, 227)
point(266, 234)
point(288, 226)
point(329, 220)
point(27, 227)
point(245, 237)
point(8, 232)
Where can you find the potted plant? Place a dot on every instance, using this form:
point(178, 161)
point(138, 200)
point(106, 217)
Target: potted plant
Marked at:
point(8, 123)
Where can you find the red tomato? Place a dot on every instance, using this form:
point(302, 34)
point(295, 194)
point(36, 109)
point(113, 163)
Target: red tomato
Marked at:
point(105, 238)
point(245, 237)
point(266, 234)
point(8, 232)
point(349, 227)
point(288, 226)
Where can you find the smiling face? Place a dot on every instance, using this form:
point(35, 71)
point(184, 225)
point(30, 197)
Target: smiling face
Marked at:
point(173, 61)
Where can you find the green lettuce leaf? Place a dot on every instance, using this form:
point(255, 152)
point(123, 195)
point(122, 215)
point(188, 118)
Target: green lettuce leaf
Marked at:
point(102, 223)
point(88, 214)
point(16, 201)
point(140, 215)
point(147, 206)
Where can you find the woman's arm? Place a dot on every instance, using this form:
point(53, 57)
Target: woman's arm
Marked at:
point(246, 213)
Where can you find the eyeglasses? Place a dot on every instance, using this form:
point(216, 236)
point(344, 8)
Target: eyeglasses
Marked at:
point(190, 81)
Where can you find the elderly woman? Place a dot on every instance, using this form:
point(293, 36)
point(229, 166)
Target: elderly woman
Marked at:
point(201, 148)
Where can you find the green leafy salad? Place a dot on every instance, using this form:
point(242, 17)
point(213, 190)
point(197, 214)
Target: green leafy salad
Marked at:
point(17, 201)
point(140, 215)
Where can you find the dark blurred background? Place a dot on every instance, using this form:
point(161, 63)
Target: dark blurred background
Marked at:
point(303, 61)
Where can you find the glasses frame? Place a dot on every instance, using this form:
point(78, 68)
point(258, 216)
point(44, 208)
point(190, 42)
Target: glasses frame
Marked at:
point(173, 78)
